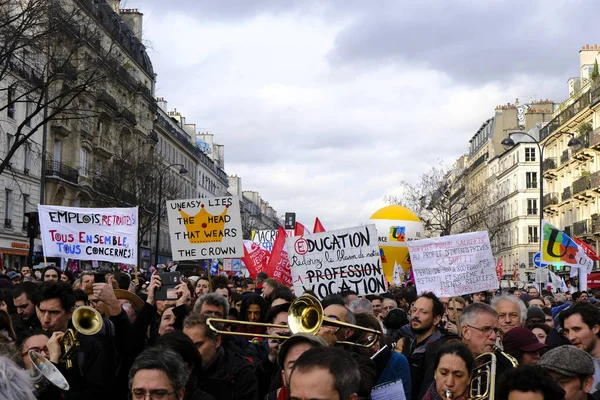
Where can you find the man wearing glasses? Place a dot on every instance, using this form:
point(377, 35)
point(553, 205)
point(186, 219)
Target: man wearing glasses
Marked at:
point(479, 328)
point(158, 374)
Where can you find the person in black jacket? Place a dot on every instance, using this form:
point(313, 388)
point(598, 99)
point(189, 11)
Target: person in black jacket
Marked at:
point(25, 321)
point(264, 353)
point(227, 376)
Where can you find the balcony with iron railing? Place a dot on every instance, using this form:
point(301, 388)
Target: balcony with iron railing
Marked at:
point(568, 230)
point(582, 184)
point(596, 224)
point(585, 143)
point(582, 227)
point(565, 156)
point(56, 169)
point(549, 164)
point(567, 193)
point(551, 199)
point(589, 98)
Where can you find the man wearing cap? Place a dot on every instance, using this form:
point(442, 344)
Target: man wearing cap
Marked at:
point(581, 325)
point(522, 344)
point(573, 369)
point(289, 352)
point(535, 315)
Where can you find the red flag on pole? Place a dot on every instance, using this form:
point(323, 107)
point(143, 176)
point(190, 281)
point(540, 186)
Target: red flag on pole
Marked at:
point(587, 249)
point(301, 230)
point(318, 226)
point(279, 264)
point(255, 258)
point(499, 269)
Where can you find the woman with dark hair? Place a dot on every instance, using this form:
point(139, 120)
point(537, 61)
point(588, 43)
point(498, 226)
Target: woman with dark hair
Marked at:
point(254, 309)
point(453, 364)
point(7, 333)
point(6, 301)
point(67, 277)
point(390, 365)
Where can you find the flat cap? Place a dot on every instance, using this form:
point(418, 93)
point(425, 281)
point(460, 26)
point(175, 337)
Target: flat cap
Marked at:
point(568, 360)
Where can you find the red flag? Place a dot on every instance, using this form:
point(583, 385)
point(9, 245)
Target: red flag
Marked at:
point(515, 274)
point(255, 258)
point(318, 227)
point(279, 264)
point(301, 230)
point(587, 249)
point(499, 269)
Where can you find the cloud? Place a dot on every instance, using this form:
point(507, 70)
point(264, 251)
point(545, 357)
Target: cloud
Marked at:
point(473, 42)
point(326, 108)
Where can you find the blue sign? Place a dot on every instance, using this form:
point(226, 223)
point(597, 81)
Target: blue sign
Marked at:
point(537, 260)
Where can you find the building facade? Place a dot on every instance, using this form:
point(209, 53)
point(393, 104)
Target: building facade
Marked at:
point(572, 174)
point(504, 183)
point(20, 182)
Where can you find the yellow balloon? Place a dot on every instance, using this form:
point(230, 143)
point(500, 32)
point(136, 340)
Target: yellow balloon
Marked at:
point(396, 226)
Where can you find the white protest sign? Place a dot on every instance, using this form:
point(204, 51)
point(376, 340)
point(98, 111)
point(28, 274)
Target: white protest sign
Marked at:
point(453, 265)
point(205, 228)
point(107, 234)
point(266, 237)
point(329, 262)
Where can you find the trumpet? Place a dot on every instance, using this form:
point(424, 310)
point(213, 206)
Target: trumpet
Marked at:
point(483, 382)
point(305, 315)
point(86, 321)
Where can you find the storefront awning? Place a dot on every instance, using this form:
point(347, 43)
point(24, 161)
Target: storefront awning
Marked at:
point(13, 252)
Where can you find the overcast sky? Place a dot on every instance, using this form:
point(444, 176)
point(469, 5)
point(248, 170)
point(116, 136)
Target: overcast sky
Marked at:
point(325, 106)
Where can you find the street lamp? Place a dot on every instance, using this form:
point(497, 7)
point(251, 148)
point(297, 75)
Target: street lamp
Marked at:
point(508, 143)
point(182, 171)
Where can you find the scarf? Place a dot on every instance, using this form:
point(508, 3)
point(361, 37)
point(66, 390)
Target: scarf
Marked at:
point(433, 395)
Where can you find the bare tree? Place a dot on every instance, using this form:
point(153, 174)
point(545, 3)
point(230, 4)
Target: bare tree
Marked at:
point(131, 178)
point(446, 205)
point(54, 59)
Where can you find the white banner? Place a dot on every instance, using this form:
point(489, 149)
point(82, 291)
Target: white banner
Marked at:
point(107, 234)
point(205, 228)
point(329, 262)
point(453, 265)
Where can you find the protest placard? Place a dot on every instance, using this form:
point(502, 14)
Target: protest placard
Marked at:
point(266, 237)
point(205, 228)
point(106, 234)
point(453, 265)
point(329, 262)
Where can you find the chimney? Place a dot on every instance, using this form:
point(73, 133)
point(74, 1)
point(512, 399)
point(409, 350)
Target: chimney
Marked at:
point(134, 19)
point(162, 103)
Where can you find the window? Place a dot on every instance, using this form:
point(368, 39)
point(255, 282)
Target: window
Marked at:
point(9, 143)
point(532, 207)
point(29, 111)
point(531, 180)
point(531, 256)
point(99, 126)
point(532, 231)
point(83, 162)
point(8, 208)
point(529, 154)
point(25, 208)
point(11, 109)
point(99, 168)
point(26, 158)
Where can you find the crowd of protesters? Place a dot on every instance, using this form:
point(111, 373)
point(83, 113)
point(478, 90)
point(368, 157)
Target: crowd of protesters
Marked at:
point(546, 345)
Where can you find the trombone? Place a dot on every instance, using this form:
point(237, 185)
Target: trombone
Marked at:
point(86, 321)
point(305, 316)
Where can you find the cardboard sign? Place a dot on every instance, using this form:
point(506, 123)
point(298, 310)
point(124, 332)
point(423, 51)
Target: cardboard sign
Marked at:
point(205, 228)
point(106, 234)
point(454, 265)
point(329, 262)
